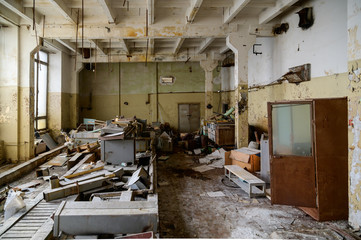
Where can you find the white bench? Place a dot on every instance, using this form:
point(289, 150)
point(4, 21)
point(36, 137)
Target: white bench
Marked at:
point(254, 186)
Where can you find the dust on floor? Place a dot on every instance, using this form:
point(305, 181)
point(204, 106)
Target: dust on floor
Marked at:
point(187, 211)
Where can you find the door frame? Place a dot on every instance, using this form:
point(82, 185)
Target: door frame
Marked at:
point(189, 103)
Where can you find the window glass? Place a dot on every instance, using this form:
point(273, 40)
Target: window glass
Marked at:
point(291, 129)
point(42, 55)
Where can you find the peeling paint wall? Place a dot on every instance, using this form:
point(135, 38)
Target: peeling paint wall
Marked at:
point(99, 95)
point(332, 46)
point(321, 87)
point(16, 126)
point(324, 45)
point(9, 90)
point(354, 109)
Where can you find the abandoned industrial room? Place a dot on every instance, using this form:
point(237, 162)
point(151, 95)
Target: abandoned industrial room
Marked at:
point(180, 119)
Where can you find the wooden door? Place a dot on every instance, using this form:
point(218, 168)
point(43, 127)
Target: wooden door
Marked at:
point(292, 162)
point(189, 117)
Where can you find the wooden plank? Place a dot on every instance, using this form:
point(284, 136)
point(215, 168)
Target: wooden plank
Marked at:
point(74, 160)
point(83, 172)
point(88, 158)
point(241, 173)
point(91, 176)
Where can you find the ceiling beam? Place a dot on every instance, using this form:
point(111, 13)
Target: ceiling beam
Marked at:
point(271, 13)
point(64, 10)
point(124, 46)
point(52, 44)
point(70, 45)
point(178, 45)
point(224, 49)
point(193, 10)
point(205, 44)
point(150, 7)
point(108, 11)
point(140, 58)
point(151, 46)
point(97, 46)
point(18, 9)
point(232, 12)
point(9, 16)
point(138, 32)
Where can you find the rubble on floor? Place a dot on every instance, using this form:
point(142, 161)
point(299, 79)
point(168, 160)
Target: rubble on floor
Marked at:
point(114, 190)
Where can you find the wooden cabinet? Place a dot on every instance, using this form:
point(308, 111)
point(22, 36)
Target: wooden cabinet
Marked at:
point(309, 156)
point(222, 134)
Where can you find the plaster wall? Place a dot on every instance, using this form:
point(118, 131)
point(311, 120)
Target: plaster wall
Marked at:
point(323, 45)
point(100, 98)
point(354, 109)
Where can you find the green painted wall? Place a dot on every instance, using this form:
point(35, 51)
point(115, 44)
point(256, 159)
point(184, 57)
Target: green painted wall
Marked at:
point(137, 84)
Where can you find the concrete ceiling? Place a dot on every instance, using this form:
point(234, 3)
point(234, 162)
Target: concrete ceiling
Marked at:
point(131, 27)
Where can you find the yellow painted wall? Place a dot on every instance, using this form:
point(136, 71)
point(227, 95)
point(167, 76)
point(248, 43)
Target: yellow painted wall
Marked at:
point(321, 87)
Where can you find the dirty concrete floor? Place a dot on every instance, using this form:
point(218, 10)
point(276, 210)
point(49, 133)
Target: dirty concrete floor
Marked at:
point(186, 211)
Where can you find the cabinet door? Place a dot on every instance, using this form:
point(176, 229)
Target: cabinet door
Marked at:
point(292, 161)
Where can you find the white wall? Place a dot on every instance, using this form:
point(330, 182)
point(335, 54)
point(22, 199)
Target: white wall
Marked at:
point(260, 66)
point(324, 45)
point(55, 72)
point(9, 40)
point(227, 79)
point(353, 24)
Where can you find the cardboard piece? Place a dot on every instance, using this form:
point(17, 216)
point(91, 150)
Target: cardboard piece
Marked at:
point(245, 158)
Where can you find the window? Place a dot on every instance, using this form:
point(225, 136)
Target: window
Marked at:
point(40, 89)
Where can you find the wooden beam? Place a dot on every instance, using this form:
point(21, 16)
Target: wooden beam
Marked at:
point(178, 45)
point(224, 49)
point(98, 46)
point(18, 9)
point(150, 6)
point(69, 45)
point(124, 45)
point(273, 12)
point(64, 10)
point(108, 10)
point(234, 10)
point(205, 44)
point(193, 10)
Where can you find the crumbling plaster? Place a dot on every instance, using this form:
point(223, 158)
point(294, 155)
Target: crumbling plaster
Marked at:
point(354, 110)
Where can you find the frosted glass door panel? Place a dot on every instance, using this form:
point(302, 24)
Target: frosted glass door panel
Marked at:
point(291, 126)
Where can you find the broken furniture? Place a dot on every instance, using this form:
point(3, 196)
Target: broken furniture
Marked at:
point(118, 151)
point(221, 133)
point(308, 156)
point(254, 186)
point(245, 158)
point(114, 217)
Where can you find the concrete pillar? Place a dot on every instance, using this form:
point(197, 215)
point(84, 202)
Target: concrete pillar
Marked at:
point(208, 66)
point(240, 43)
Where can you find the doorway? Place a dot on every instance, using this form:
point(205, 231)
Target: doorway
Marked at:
point(188, 117)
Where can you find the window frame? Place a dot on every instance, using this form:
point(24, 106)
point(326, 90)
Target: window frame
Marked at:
point(37, 65)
